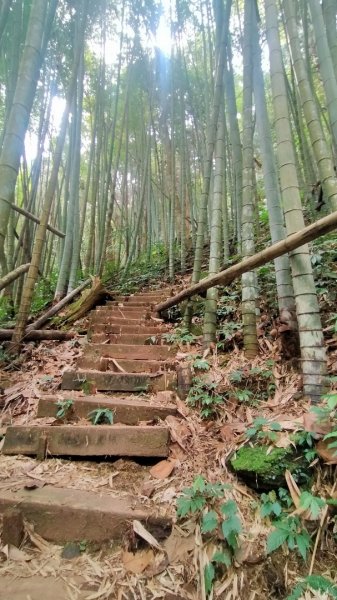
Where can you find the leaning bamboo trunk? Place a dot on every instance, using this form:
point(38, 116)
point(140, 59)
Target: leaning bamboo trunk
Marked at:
point(13, 275)
point(57, 307)
point(306, 235)
point(38, 334)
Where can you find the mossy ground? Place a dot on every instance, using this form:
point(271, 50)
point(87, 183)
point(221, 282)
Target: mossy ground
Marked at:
point(263, 468)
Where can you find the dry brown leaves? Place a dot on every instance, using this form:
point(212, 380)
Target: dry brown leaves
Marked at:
point(174, 570)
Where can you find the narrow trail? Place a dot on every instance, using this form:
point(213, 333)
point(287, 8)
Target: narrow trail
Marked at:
point(125, 355)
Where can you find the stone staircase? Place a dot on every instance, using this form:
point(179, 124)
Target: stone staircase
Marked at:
point(125, 355)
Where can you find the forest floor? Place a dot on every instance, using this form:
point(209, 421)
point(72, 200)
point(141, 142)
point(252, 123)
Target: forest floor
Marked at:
point(200, 447)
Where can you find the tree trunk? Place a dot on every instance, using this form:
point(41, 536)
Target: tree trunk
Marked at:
point(309, 322)
point(17, 124)
point(285, 292)
point(249, 279)
point(320, 147)
point(49, 197)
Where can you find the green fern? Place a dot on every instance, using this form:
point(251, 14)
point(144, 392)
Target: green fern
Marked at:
point(316, 583)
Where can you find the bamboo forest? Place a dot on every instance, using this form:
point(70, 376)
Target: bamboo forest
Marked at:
point(168, 289)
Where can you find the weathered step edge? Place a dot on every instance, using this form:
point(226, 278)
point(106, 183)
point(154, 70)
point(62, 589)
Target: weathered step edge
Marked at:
point(138, 339)
point(105, 381)
point(120, 329)
point(130, 351)
point(129, 412)
point(123, 365)
point(87, 440)
point(67, 515)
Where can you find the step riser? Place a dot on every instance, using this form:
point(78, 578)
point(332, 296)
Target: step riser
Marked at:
point(128, 412)
point(129, 366)
point(116, 310)
point(116, 382)
point(129, 352)
point(123, 329)
point(96, 318)
point(145, 297)
point(132, 304)
point(61, 515)
point(138, 339)
point(102, 440)
point(114, 313)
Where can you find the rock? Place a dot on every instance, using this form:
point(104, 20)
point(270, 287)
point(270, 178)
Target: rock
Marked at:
point(263, 468)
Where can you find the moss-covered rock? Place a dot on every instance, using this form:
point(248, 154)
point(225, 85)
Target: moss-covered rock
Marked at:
point(263, 469)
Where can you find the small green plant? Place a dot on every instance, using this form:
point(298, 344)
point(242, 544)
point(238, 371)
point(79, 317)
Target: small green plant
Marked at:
point(306, 442)
point(203, 395)
point(273, 503)
point(270, 505)
point(4, 356)
point(231, 528)
point(179, 336)
point(317, 583)
point(201, 364)
point(327, 414)
point(236, 376)
point(203, 500)
point(327, 411)
point(101, 416)
point(313, 504)
point(85, 386)
point(289, 530)
point(64, 408)
point(262, 429)
point(257, 381)
point(195, 498)
point(285, 497)
point(44, 292)
point(244, 396)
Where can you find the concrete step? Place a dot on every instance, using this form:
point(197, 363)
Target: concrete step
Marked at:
point(115, 310)
point(120, 320)
point(138, 339)
point(168, 291)
point(129, 351)
point(67, 515)
point(87, 440)
point(117, 382)
point(122, 365)
point(129, 411)
point(120, 329)
point(147, 298)
point(132, 303)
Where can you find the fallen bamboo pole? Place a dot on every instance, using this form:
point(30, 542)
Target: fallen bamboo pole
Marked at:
point(32, 217)
point(13, 275)
point(38, 335)
point(295, 240)
point(57, 307)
